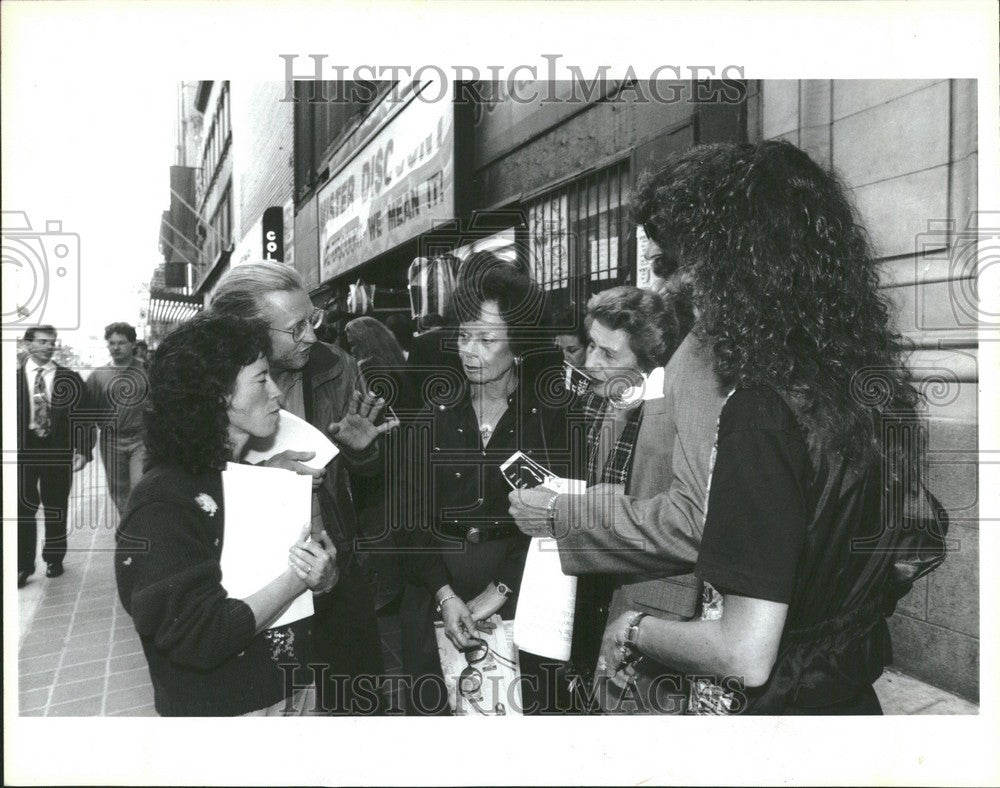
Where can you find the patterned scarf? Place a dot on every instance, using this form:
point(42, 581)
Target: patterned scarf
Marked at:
point(618, 465)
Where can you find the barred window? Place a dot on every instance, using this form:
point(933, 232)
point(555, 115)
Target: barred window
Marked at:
point(578, 237)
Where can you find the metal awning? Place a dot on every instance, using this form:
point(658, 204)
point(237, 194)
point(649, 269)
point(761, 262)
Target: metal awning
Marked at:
point(169, 307)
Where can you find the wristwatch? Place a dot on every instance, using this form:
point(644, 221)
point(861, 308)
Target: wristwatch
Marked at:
point(503, 588)
point(632, 634)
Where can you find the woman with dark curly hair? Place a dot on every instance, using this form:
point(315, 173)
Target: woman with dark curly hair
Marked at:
point(817, 451)
point(209, 654)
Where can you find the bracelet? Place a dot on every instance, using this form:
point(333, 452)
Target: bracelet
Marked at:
point(550, 509)
point(632, 633)
point(441, 603)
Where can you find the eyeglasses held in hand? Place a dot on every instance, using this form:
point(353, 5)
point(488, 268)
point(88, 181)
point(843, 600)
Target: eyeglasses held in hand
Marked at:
point(298, 331)
point(470, 681)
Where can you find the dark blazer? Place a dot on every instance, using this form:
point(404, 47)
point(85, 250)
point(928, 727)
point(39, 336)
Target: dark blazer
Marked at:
point(71, 424)
point(457, 486)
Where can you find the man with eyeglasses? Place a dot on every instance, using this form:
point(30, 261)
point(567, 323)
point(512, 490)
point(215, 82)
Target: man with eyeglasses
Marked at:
point(322, 384)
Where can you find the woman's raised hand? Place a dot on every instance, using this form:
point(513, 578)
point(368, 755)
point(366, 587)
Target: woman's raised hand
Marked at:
point(314, 561)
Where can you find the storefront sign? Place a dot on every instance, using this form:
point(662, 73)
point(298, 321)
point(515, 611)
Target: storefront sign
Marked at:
point(273, 227)
point(396, 187)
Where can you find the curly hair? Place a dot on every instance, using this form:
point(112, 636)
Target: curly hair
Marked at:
point(785, 283)
point(644, 316)
point(192, 375)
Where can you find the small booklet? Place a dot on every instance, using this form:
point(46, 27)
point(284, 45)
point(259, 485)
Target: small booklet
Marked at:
point(522, 473)
point(293, 434)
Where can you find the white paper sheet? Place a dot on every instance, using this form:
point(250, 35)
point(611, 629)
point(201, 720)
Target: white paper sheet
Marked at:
point(543, 622)
point(293, 434)
point(266, 509)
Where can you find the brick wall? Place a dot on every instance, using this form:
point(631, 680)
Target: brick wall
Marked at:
point(908, 151)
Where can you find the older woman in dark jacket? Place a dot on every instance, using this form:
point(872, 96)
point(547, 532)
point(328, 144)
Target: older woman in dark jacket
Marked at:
point(466, 555)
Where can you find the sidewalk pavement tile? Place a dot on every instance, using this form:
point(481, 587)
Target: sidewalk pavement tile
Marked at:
point(86, 627)
point(36, 680)
point(33, 699)
point(84, 670)
point(142, 711)
point(51, 611)
point(88, 639)
point(87, 707)
point(128, 662)
point(41, 649)
point(123, 700)
point(78, 690)
point(49, 662)
point(76, 655)
point(129, 679)
point(122, 647)
point(52, 622)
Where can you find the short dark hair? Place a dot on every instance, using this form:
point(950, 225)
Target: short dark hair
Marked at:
point(141, 344)
point(486, 277)
point(192, 374)
point(29, 334)
point(567, 321)
point(124, 329)
point(643, 315)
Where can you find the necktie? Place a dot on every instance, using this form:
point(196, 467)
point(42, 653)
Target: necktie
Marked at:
point(43, 424)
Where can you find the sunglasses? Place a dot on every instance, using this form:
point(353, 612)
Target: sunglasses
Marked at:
point(470, 681)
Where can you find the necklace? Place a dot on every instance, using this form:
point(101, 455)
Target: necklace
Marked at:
point(488, 420)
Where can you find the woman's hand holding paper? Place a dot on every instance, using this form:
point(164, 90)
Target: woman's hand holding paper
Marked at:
point(315, 562)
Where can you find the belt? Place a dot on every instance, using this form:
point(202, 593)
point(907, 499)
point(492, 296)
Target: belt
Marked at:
point(475, 534)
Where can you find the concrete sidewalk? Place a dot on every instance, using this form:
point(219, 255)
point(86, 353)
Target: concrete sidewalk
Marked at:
point(79, 655)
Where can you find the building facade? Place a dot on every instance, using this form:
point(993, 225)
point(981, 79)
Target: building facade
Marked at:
point(908, 151)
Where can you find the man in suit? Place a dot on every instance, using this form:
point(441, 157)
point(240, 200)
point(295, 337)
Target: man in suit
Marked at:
point(52, 443)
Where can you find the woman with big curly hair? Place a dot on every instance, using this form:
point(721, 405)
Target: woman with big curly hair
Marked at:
point(818, 450)
point(209, 654)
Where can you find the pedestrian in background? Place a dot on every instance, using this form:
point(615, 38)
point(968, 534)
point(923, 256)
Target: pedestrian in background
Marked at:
point(53, 442)
point(118, 391)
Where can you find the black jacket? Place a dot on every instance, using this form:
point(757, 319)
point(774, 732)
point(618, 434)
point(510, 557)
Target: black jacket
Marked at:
point(451, 483)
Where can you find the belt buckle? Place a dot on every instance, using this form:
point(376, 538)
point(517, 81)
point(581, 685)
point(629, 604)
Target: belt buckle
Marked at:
point(474, 535)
